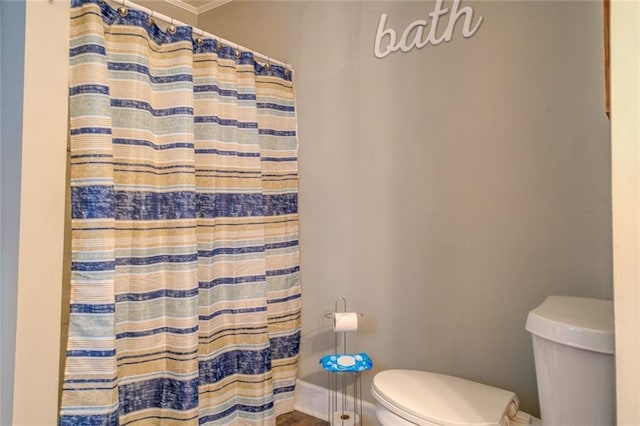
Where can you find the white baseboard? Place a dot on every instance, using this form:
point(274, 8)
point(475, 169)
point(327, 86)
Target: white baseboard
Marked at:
point(314, 401)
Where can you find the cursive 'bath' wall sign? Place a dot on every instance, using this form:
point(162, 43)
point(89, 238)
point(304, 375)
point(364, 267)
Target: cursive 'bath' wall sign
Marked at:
point(416, 35)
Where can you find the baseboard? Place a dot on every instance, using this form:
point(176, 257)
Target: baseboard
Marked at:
point(314, 400)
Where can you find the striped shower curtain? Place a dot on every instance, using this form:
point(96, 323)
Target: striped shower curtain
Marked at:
point(185, 289)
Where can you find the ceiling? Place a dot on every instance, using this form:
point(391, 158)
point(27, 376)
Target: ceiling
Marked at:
point(197, 6)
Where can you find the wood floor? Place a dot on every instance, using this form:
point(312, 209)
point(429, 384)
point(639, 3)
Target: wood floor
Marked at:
point(297, 418)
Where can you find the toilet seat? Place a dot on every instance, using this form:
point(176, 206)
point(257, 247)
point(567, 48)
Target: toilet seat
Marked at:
point(427, 399)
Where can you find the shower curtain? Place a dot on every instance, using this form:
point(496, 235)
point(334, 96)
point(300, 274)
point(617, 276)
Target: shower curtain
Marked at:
point(185, 292)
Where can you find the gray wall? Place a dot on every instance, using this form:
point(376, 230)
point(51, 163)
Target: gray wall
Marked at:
point(12, 21)
point(444, 192)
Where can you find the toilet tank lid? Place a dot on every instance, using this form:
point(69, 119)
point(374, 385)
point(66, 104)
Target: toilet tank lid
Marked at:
point(580, 322)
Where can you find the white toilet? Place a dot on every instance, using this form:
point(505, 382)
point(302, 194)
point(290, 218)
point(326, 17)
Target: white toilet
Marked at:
point(573, 345)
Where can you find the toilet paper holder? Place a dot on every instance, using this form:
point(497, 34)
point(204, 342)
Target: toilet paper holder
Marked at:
point(350, 322)
point(344, 410)
point(335, 308)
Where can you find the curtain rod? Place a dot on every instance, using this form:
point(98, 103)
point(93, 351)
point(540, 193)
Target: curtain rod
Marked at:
point(159, 16)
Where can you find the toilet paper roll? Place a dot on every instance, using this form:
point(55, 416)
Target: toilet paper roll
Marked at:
point(345, 321)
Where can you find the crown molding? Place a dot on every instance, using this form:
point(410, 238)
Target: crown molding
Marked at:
point(196, 10)
point(212, 5)
point(183, 5)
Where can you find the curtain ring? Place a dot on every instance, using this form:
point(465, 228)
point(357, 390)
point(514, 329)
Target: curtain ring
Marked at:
point(150, 20)
point(172, 28)
point(267, 66)
point(218, 46)
point(200, 39)
point(123, 10)
point(238, 53)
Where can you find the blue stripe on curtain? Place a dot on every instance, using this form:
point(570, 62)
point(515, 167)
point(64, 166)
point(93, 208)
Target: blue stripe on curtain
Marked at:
point(159, 112)
point(89, 88)
point(144, 70)
point(93, 266)
point(284, 389)
point(238, 407)
point(151, 260)
point(281, 204)
point(279, 159)
point(91, 353)
point(158, 393)
point(185, 301)
point(213, 88)
point(97, 202)
point(113, 379)
point(283, 244)
point(154, 206)
point(91, 202)
point(169, 330)
point(233, 311)
point(235, 362)
point(231, 250)
point(232, 280)
point(286, 271)
point(225, 122)
point(86, 48)
point(283, 299)
point(273, 132)
point(148, 354)
point(139, 297)
point(110, 419)
point(233, 153)
point(76, 308)
point(285, 347)
point(90, 130)
point(233, 331)
point(150, 144)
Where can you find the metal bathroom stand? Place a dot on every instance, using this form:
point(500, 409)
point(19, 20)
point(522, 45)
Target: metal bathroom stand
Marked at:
point(341, 411)
point(344, 370)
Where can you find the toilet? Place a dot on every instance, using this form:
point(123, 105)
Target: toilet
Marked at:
point(573, 345)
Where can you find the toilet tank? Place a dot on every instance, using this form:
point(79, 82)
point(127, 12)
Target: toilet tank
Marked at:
point(573, 347)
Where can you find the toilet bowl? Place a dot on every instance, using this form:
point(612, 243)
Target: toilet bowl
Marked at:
point(409, 397)
point(573, 351)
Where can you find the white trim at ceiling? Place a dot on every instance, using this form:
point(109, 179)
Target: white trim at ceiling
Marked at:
point(212, 5)
point(196, 10)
